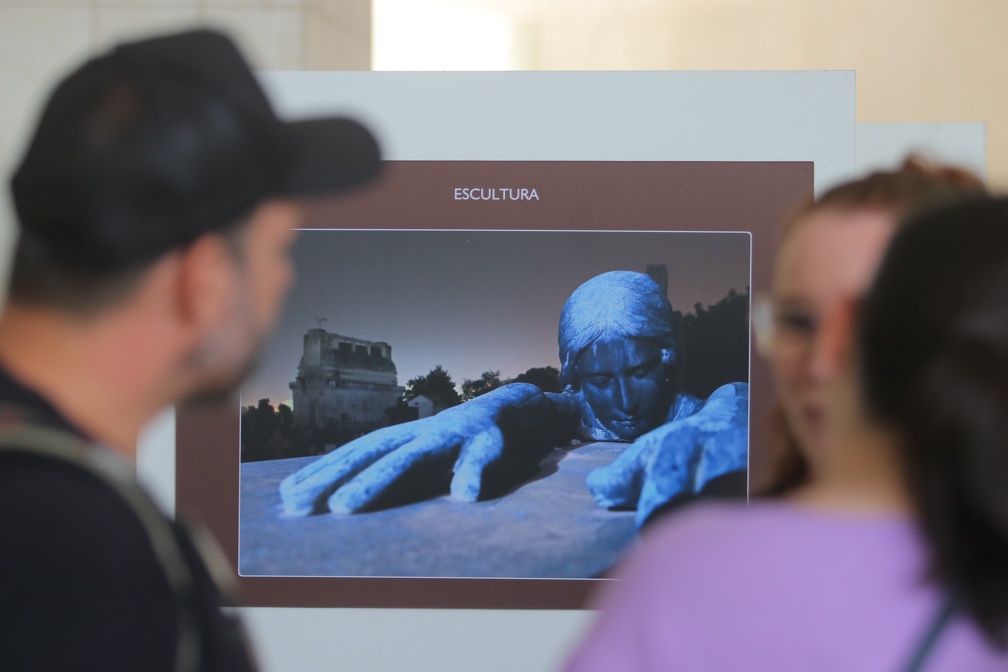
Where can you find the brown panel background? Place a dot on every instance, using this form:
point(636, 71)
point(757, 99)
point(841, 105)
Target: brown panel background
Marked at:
point(652, 196)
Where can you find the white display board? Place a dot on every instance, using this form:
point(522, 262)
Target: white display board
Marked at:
point(604, 116)
point(591, 116)
point(884, 146)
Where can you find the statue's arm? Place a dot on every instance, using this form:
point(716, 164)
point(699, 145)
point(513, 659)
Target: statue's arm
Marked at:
point(509, 425)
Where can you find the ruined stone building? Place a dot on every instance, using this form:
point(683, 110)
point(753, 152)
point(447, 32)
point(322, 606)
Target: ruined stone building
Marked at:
point(347, 382)
point(426, 406)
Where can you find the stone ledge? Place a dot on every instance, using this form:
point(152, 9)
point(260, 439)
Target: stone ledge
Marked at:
point(548, 527)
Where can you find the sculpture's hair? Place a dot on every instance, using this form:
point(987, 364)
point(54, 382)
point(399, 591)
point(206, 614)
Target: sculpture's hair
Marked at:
point(618, 304)
point(933, 344)
point(916, 186)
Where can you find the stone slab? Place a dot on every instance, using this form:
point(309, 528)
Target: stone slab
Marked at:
point(548, 527)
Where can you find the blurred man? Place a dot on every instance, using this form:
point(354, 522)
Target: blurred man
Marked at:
point(157, 202)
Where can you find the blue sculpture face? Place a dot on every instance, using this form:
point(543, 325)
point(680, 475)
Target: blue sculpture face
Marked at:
point(625, 383)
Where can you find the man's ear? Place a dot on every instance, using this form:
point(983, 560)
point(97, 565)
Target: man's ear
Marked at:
point(206, 282)
point(835, 341)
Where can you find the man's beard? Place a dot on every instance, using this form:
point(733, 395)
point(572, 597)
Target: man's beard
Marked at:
point(225, 390)
point(224, 387)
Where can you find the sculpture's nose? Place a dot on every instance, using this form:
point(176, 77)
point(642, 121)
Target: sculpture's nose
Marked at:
point(626, 399)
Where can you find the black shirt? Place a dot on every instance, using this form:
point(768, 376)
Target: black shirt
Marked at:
point(80, 586)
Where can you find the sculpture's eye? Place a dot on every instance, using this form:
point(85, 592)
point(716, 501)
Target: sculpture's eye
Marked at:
point(596, 380)
point(645, 370)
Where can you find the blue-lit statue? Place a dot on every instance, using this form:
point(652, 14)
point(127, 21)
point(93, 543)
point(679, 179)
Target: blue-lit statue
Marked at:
point(619, 382)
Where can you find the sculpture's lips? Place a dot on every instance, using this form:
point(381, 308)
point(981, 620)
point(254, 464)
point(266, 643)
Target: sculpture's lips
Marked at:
point(627, 422)
point(629, 427)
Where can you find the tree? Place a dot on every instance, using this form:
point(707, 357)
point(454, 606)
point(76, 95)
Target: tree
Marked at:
point(489, 380)
point(285, 420)
point(437, 383)
point(247, 433)
point(258, 423)
point(715, 344)
point(546, 378)
point(264, 420)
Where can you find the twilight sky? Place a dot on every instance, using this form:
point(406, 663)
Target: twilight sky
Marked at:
point(474, 300)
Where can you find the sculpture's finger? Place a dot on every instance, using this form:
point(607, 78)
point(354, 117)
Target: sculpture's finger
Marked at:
point(712, 443)
point(618, 484)
point(723, 452)
point(476, 454)
point(363, 489)
point(670, 472)
point(304, 491)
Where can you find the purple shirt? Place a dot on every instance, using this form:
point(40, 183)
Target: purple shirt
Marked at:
point(775, 587)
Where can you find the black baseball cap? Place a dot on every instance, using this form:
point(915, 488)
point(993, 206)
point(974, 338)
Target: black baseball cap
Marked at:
point(159, 141)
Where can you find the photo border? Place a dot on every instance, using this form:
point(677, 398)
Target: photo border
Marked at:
point(207, 476)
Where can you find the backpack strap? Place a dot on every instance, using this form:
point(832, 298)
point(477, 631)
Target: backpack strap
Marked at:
point(19, 436)
point(925, 645)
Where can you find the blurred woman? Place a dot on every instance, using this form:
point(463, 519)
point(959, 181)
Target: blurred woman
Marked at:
point(830, 249)
point(892, 551)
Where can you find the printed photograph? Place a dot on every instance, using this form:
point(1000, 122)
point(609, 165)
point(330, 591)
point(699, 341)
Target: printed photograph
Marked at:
point(465, 403)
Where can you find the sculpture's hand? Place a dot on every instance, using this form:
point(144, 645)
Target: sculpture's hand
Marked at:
point(468, 439)
point(680, 457)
